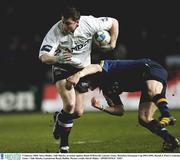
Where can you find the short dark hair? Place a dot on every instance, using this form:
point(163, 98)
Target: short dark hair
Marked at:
point(70, 12)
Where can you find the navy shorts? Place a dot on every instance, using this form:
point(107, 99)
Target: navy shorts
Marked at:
point(155, 71)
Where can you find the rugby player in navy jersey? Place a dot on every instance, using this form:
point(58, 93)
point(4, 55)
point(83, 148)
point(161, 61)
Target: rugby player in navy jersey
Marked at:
point(116, 76)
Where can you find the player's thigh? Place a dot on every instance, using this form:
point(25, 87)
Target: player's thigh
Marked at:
point(146, 111)
point(68, 96)
point(79, 104)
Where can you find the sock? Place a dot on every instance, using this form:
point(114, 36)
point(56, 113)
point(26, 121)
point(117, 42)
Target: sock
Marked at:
point(65, 120)
point(156, 128)
point(162, 104)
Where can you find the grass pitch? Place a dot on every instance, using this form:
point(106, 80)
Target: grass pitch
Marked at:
point(95, 132)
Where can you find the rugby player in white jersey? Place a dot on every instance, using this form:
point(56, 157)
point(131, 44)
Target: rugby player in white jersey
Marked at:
point(67, 47)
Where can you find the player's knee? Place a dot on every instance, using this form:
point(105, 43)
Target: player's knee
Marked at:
point(154, 89)
point(69, 107)
point(143, 121)
point(151, 92)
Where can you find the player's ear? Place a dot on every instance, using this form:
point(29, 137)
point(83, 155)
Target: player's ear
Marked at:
point(77, 21)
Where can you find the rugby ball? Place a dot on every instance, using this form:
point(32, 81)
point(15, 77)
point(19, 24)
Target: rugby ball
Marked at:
point(102, 38)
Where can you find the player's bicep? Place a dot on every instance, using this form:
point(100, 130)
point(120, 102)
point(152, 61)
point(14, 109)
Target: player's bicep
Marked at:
point(50, 44)
point(50, 49)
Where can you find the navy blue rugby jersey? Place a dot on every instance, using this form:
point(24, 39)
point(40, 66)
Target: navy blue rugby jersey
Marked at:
point(129, 75)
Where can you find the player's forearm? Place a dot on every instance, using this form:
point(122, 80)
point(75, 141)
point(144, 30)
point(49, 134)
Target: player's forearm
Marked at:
point(114, 31)
point(74, 79)
point(115, 110)
point(90, 69)
point(47, 59)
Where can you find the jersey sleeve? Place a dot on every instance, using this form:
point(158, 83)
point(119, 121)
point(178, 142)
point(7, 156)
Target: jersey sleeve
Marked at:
point(95, 24)
point(113, 99)
point(50, 42)
point(104, 23)
point(105, 65)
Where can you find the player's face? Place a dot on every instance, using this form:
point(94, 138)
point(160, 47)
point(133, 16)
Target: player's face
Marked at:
point(69, 25)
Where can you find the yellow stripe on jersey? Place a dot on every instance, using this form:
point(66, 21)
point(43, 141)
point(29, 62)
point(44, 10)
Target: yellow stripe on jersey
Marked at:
point(162, 100)
point(102, 63)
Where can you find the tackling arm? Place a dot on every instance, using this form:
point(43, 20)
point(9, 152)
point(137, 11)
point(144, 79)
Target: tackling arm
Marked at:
point(113, 109)
point(90, 69)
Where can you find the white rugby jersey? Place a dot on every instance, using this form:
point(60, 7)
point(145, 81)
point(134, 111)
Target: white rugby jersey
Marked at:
point(56, 42)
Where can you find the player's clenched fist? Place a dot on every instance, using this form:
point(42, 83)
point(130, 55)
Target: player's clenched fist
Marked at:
point(95, 103)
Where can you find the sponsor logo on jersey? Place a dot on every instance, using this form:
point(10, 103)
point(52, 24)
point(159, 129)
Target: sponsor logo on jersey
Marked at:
point(80, 46)
point(104, 19)
point(46, 48)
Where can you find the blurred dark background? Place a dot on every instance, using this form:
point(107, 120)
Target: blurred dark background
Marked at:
point(147, 29)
